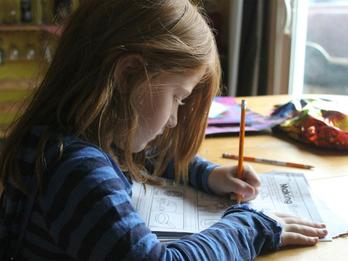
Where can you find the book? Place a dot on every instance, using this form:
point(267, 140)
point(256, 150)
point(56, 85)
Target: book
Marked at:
point(172, 211)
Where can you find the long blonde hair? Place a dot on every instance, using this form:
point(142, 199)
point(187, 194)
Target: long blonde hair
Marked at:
point(82, 92)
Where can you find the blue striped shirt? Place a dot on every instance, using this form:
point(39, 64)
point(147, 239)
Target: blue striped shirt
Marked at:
point(84, 212)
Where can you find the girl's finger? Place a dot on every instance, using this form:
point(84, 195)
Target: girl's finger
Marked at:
point(283, 215)
point(251, 177)
point(306, 230)
point(292, 239)
point(241, 187)
point(233, 196)
point(294, 220)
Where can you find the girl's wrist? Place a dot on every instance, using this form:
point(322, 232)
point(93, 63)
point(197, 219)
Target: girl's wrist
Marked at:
point(211, 180)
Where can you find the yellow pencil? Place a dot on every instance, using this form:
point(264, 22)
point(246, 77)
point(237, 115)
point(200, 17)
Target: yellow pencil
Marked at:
point(241, 145)
point(268, 161)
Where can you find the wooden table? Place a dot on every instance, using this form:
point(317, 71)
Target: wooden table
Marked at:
point(330, 172)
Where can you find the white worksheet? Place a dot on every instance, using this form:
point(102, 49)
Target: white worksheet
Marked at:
point(291, 193)
point(177, 208)
point(171, 210)
point(286, 192)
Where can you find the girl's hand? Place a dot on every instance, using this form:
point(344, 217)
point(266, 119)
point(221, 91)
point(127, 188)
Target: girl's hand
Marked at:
point(297, 231)
point(223, 180)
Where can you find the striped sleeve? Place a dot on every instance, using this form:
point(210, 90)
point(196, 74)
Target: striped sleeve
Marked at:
point(242, 234)
point(88, 214)
point(88, 210)
point(199, 171)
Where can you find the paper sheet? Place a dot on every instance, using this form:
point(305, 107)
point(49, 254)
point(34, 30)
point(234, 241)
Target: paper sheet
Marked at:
point(331, 194)
point(177, 208)
point(172, 211)
point(216, 110)
point(286, 192)
point(290, 193)
point(224, 118)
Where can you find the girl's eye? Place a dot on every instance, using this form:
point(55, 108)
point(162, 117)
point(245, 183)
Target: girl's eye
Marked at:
point(178, 101)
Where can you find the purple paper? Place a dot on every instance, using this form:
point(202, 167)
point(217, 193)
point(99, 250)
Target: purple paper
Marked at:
point(232, 114)
point(229, 120)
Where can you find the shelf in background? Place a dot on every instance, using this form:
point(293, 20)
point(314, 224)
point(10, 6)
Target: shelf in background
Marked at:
point(52, 29)
point(13, 94)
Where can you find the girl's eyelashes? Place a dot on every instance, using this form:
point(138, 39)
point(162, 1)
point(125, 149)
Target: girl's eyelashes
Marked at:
point(178, 101)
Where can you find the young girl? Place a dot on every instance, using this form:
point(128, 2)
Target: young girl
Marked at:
point(127, 93)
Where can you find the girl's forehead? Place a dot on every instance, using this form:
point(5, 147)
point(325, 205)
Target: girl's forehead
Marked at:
point(181, 82)
point(191, 76)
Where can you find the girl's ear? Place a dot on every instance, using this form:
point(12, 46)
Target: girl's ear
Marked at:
point(129, 64)
point(129, 70)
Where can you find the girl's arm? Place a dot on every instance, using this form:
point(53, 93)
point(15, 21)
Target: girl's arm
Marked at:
point(88, 213)
point(220, 180)
point(199, 171)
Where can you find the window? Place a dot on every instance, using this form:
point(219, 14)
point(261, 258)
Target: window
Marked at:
point(321, 44)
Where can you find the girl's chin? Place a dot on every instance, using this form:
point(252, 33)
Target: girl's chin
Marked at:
point(139, 148)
